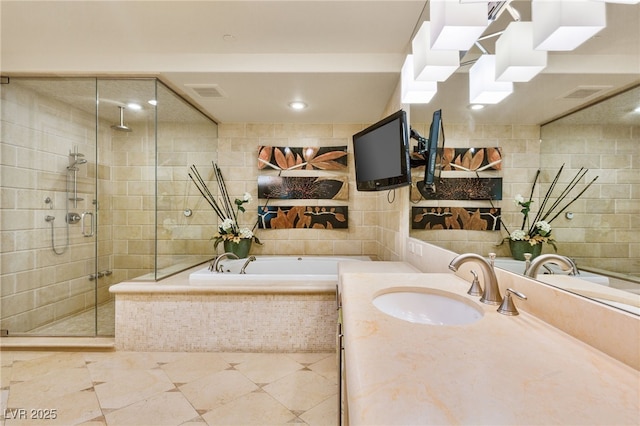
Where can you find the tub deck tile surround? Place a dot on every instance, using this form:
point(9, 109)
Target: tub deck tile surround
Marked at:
point(173, 315)
point(226, 322)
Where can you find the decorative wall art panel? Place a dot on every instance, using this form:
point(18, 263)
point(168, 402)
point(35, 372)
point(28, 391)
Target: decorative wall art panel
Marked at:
point(323, 187)
point(467, 218)
point(464, 189)
point(303, 217)
point(465, 159)
point(309, 158)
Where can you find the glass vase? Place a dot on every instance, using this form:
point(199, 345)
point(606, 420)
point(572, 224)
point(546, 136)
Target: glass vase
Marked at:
point(519, 248)
point(240, 249)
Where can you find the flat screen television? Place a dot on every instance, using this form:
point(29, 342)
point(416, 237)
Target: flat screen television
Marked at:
point(433, 148)
point(381, 154)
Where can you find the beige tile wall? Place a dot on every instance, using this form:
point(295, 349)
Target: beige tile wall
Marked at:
point(607, 214)
point(237, 154)
point(392, 211)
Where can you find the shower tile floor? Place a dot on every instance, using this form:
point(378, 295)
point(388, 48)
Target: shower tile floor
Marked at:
point(82, 324)
point(162, 388)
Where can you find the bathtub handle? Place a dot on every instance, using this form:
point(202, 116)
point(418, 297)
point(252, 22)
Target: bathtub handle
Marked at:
point(90, 234)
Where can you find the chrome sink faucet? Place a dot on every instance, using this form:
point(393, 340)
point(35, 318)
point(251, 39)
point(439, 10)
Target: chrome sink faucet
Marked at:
point(215, 265)
point(491, 294)
point(562, 261)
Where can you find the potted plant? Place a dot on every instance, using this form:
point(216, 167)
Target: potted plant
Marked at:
point(532, 234)
point(235, 238)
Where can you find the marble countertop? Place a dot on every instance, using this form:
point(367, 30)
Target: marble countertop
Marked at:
point(498, 370)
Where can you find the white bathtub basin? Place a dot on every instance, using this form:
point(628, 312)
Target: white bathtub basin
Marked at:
point(274, 270)
point(422, 306)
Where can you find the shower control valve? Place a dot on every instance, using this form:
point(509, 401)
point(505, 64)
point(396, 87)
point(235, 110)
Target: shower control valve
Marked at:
point(73, 218)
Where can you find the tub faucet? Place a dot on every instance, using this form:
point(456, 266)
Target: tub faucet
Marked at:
point(215, 265)
point(246, 263)
point(491, 294)
point(562, 261)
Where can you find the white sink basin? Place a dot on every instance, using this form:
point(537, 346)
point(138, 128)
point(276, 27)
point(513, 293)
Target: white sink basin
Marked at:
point(426, 306)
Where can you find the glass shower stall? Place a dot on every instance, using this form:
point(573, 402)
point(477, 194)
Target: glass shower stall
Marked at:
point(95, 191)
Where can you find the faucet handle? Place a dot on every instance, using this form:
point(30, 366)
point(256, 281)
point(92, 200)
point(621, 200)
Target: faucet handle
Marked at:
point(475, 289)
point(508, 307)
point(527, 262)
point(492, 259)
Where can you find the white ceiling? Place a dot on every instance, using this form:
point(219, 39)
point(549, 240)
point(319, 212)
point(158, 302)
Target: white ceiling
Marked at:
point(341, 57)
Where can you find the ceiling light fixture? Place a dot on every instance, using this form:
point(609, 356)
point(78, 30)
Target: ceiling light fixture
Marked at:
point(483, 87)
point(428, 64)
point(476, 107)
point(134, 106)
point(455, 25)
point(521, 49)
point(413, 91)
point(516, 60)
point(297, 105)
point(562, 25)
point(621, 1)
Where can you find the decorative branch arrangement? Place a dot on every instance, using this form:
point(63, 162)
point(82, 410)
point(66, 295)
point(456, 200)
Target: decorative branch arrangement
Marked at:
point(539, 230)
point(229, 229)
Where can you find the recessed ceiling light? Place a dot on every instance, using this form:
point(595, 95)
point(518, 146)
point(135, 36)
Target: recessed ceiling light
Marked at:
point(476, 106)
point(297, 105)
point(134, 106)
point(637, 110)
point(152, 102)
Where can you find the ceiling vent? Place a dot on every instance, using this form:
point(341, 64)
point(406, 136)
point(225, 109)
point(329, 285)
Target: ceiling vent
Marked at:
point(208, 91)
point(585, 92)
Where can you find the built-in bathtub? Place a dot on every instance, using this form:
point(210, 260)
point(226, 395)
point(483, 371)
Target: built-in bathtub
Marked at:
point(200, 310)
point(274, 271)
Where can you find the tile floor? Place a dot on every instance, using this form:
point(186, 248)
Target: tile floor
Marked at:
point(161, 388)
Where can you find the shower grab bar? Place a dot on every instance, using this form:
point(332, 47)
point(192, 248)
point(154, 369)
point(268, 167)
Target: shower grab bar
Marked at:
point(91, 232)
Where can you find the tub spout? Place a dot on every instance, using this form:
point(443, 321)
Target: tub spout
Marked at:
point(562, 261)
point(215, 265)
point(246, 263)
point(491, 294)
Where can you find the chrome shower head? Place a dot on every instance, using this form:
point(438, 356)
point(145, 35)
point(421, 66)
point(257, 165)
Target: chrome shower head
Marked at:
point(121, 127)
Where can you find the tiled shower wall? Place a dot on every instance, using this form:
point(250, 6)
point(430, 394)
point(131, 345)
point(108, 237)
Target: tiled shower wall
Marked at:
point(39, 286)
point(607, 214)
point(38, 133)
point(181, 240)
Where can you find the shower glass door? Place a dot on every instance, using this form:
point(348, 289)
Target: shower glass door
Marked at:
point(95, 191)
point(49, 167)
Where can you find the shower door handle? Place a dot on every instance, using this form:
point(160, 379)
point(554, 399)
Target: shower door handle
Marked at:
point(90, 234)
